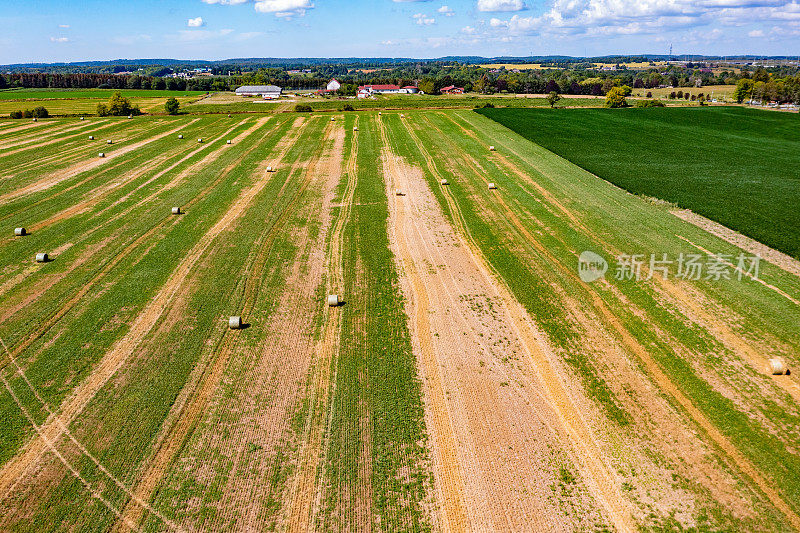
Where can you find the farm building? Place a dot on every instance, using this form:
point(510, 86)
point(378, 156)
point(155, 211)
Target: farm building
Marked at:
point(452, 89)
point(410, 89)
point(267, 92)
point(366, 91)
point(333, 85)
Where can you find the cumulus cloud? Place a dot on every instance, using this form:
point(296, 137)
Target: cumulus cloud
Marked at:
point(196, 22)
point(446, 11)
point(501, 5)
point(424, 20)
point(280, 8)
point(59, 40)
point(633, 17)
point(469, 30)
point(755, 33)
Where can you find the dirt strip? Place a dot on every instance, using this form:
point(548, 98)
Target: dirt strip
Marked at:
point(594, 466)
point(84, 166)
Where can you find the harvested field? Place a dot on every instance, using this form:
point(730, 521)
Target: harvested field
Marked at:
point(468, 380)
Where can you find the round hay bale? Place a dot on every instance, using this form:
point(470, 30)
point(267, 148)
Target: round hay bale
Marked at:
point(130, 116)
point(42, 257)
point(81, 118)
point(355, 128)
point(35, 119)
point(332, 119)
point(101, 154)
point(398, 192)
point(176, 210)
point(269, 169)
point(229, 116)
point(379, 113)
point(180, 136)
point(200, 140)
point(235, 322)
point(402, 115)
point(20, 232)
point(445, 182)
point(109, 141)
point(491, 148)
point(333, 300)
point(492, 186)
point(228, 141)
point(776, 367)
point(91, 137)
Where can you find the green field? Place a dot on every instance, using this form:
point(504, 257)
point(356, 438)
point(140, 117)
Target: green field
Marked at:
point(60, 94)
point(736, 166)
point(469, 379)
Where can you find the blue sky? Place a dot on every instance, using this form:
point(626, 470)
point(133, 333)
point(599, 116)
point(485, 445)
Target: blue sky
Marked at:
point(64, 30)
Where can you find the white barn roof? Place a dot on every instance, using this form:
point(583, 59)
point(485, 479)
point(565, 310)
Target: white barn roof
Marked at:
point(258, 89)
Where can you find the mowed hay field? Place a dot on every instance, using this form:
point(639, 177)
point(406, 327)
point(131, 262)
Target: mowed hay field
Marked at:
point(733, 165)
point(469, 381)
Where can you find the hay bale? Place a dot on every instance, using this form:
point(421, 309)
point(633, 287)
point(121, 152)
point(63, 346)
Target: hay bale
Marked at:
point(20, 232)
point(777, 367)
point(130, 116)
point(180, 136)
point(398, 192)
point(229, 116)
point(81, 118)
point(91, 137)
point(491, 148)
point(42, 257)
point(228, 141)
point(101, 154)
point(332, 119)
point(176, 210)
point(35, 119)
point(492, 186)
point(445, 182)
point(333, 300)
point(235, 322)
point(379, 113)
point(109, 141)
point(355, 128)
point(270, 169)
point(200, 140)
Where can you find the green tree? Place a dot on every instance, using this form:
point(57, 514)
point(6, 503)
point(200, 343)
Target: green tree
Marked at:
point(171, 106)
point(616, 98)
point(553, 98)
point(744, 87)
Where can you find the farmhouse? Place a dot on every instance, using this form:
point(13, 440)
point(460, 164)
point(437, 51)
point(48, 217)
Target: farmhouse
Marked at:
point(267, 92)
point(365, 91)
point(451, 89)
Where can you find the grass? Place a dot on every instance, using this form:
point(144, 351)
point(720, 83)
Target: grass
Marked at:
point(735, 166)
point(73, 102)
point(104, 94)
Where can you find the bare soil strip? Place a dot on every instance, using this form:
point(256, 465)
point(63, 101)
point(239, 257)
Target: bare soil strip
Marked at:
point(594, 466)
point(306, 488)
point(84, 166)
point(660, 378)
point(194, 406)
point(779, 259)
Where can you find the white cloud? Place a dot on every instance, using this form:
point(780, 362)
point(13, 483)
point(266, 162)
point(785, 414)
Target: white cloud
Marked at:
point(501, 5)
point(469, 30)
point(284, 8)
point(65, 26)
point(389, 43)
point(756, 33)
point(59, 40)
point(497, 23)
point(280, 8)
point(196, 22)
point(446, 11)
point(424, 20)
